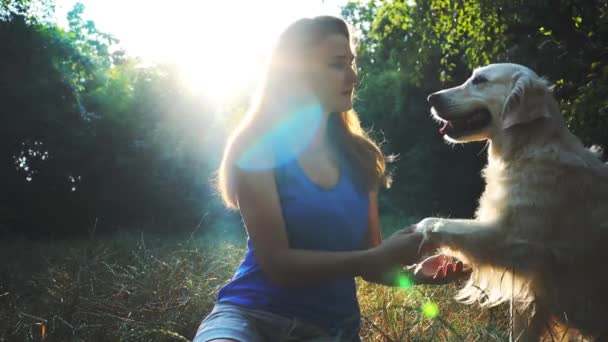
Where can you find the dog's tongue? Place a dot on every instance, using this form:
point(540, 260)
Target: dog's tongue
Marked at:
point(445, 127)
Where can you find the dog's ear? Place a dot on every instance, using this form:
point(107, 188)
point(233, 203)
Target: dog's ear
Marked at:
point(526, 102)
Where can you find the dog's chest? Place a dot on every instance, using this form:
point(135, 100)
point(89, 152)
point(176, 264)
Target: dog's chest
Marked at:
point(515, 189)
point(534, 192)
point(493, 201)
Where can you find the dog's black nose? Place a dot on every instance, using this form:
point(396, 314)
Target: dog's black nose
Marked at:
point(433, 99)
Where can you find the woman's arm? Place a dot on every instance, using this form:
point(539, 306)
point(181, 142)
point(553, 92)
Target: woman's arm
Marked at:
point(390, 276)
point(258, 202)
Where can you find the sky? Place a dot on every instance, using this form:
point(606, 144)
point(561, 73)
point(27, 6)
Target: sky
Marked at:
point(218, 44)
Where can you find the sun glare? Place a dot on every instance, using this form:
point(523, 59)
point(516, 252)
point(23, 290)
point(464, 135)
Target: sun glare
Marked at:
point(220, 46)
point(218, 77)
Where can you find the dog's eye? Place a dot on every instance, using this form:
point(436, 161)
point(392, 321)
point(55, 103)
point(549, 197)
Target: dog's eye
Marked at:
point(479, 79)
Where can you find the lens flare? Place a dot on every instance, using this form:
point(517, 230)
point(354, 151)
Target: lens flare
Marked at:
point(404, 281)
point(285, 140)
point(430, 310)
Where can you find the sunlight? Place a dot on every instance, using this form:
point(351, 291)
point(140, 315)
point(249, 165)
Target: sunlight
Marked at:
point(218, 77)
point(220, 46)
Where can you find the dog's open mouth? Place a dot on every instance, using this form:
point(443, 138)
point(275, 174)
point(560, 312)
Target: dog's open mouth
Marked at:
point(468, 123)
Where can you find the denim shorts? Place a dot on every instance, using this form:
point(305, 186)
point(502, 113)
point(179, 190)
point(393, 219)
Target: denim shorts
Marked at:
point(229, 321)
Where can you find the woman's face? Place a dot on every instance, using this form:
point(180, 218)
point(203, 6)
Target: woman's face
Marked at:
point(331, 73)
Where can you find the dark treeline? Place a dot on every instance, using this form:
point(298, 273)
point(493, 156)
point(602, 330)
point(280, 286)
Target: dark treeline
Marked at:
point(92, 141)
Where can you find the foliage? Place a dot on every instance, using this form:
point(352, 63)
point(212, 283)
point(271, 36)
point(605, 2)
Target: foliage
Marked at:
point(93, 140)
point(41, 11)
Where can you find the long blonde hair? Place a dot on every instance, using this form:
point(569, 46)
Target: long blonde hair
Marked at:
point(344, 129)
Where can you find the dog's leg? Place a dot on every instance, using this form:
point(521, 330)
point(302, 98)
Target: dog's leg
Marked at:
point(534, 325)
point(526, 326)
point(483, 241)
point(462, 235)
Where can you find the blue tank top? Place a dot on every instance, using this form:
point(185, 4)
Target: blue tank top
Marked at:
point(316, 218)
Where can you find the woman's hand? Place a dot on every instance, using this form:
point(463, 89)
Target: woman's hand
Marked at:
point(440, 269)
point(401, 248)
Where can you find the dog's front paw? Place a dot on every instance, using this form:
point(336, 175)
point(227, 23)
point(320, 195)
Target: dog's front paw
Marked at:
point(429, 225)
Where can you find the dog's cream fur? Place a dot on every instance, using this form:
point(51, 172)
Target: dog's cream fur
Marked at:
point(540, 236)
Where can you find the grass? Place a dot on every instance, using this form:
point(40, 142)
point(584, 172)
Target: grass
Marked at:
point(156, 288)
point(426, 313)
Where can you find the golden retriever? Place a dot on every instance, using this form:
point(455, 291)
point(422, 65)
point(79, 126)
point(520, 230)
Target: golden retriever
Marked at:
point(539, 239)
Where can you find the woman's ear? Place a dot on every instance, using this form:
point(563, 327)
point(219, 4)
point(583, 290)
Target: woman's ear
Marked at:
point(527, 101)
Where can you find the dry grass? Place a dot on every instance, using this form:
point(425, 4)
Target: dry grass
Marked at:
point(392, 315)
point(124, 288)
point(144, 288)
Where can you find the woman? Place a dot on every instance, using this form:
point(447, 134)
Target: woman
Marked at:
point(305, 178)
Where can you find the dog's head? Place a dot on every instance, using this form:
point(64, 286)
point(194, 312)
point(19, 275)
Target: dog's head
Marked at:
point(494, 99)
